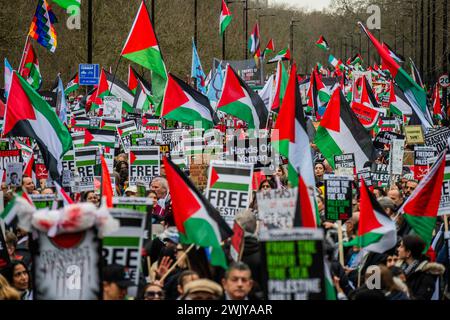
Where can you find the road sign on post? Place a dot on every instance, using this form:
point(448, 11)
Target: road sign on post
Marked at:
point(89, 74)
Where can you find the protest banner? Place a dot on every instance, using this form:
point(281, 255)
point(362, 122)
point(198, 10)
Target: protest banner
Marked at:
point(384, 139)
point(414, 135)
point(174, 138)
point(14, 172)
point(124, 245)
point(438, 138)
point(237, 242)
point(42, 201)
point(108, 123)
point(396, 156)
point(380, 175)
point(9, 155)
point(444, 205)
point(421, 160)
point(125, 129)
point(345, 164)
point(112, 107)
point(85, 160)
point(277, 208)
point(338, 197)
point(138, 204)
point(144, 164)
point(293, 264)
point(229, 186)
point(67, 266)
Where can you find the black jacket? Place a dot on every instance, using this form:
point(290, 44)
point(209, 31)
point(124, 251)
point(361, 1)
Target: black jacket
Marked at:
point(252, 257)
point(422, 281)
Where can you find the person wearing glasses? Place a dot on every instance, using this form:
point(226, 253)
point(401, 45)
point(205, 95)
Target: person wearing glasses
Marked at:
point(153, 291)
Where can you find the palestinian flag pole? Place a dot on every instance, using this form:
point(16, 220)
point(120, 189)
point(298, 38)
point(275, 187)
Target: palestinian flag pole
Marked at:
point(187, 105)
point(239, 100)
point(421, 208)
point(29, 115)
point(290, 138)
point(340, 132)
point(197, 221)
point(376, 232)
point(415, 94)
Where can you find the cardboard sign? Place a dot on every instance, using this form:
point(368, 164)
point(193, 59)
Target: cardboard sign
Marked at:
point(229, 186)
point(138, 204)
point(124, 246)
point(380, 175)
point(14, 172)
point(438, 139)
point(384, 139)
point(277, 208)
point(112, 107)
point(144, 164)
point(345, 164)
point(9, 156)
point(293, 264)
point(67, 267)
point(338, 198)
point(422, 155)
point(414, 135)
point(86, 160)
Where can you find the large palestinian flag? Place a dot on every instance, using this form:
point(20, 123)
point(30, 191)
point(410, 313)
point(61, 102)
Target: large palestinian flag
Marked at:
point(187, 105)
point(197, 221)
point(340, 132)
point(421, 208)
point(29, 115)
point(376, 231)
point(240, 101)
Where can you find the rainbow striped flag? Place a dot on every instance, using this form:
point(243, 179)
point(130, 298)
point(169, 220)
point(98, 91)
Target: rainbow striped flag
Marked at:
point(42, 28)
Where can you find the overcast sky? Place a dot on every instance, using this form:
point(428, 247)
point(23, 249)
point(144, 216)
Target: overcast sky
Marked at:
point(311, 4)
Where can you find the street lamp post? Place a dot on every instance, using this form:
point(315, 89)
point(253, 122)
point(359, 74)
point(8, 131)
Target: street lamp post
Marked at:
point(292, 39)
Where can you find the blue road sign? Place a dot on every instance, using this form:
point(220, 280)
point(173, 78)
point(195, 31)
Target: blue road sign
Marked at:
point(89, 74)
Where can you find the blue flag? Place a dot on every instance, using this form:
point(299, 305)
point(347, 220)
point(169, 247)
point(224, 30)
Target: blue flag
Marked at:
point(61, 104)
point(8, 75)
point(215, 85)
point(197, 70)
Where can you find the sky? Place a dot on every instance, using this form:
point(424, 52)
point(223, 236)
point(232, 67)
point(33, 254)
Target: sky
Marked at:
point(309, 4)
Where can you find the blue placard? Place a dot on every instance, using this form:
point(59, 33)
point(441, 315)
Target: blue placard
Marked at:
point(89, 74)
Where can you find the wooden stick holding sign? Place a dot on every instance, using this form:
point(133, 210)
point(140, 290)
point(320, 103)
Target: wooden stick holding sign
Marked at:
point(341, 243)
point(177, 262)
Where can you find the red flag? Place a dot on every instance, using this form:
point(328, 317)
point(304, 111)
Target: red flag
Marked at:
point(107, 190)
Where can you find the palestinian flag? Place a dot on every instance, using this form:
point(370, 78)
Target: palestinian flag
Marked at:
point(376, 232)
point(415, 94)
point(283, 55)
point(143, 98)
point(29, 69)
point(367, 96)
point(197, 221)
point(29, 115)
point(9, 214)
point(102, 90)
point(109, 123)
point(126, 128)
point(193, 145)
point(290, 136)
point(187, 105)
point(240, 101)
point(398, 103)
point(254, 41)
point(80, 122)
point(322, 44)
point(437, 107)
point(340, 132)
point(227, 178)
point(281, 82)
point(107, 190)
point(73, 85)
point(78, 140)
point(142, 46)
point(94, 137)
point(398, 58)
point(415, 73)
point(61, 194)
point(367, 116)
point(337, 64)
point(132, 79)
point(318, 94)
point(269, 48)
point(356, 60)
point(225, 18)
point(120, 90)
point(421, 208)
point(305, 215)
